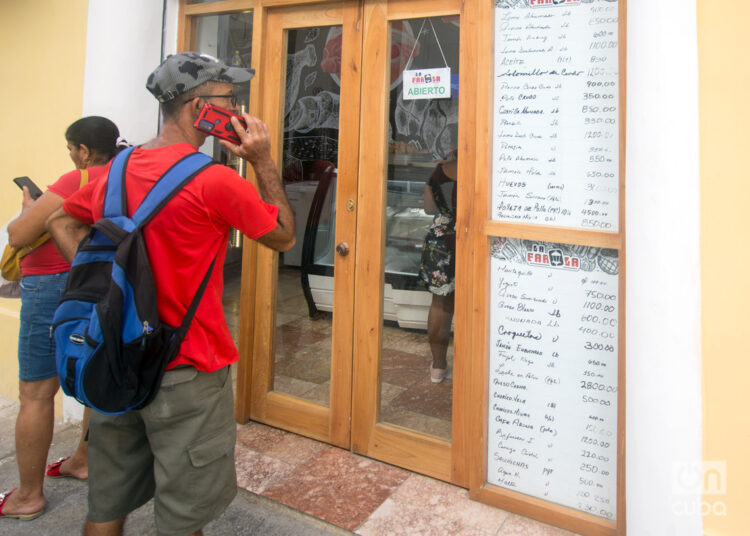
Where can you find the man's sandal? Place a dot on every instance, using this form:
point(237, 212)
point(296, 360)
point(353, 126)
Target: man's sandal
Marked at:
point(22, 517)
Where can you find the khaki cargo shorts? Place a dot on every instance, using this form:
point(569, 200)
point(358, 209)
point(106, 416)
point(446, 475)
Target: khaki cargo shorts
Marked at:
point(179, 450)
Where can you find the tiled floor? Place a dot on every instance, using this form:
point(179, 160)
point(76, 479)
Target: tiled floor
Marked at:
point(361, 495)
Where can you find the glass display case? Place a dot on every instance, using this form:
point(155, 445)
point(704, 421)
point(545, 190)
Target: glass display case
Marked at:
point(406, 300)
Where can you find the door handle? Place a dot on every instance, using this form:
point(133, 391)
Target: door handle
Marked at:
point(342, 249)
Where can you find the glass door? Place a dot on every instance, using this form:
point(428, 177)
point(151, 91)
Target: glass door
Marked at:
point(403, 359)
point(303, 316)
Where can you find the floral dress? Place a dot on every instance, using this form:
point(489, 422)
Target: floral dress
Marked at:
point(437, 269)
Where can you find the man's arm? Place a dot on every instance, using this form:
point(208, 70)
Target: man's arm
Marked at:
point(67, 232)
point(256, 149)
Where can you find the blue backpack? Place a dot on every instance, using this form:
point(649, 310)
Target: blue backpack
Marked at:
point(111, 348)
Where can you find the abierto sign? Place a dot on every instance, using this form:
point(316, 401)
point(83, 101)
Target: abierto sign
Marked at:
point(427, 83)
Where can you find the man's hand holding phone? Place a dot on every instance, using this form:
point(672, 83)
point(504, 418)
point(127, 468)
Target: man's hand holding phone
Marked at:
point(216, 121)
point(255, 142)
point(242, 135)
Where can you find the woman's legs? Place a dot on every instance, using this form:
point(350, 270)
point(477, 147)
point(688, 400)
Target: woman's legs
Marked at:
point(34, 427)
point(439, 328)
point(76, 465)
point(40, 295)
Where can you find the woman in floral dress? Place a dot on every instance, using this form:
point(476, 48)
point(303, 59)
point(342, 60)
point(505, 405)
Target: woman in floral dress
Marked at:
point(437, 269)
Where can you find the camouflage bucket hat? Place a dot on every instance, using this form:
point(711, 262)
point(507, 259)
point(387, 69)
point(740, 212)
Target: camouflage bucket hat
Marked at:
point(182, 72)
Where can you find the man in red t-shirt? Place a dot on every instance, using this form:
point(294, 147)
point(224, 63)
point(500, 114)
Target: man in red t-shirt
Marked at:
point(180, 448)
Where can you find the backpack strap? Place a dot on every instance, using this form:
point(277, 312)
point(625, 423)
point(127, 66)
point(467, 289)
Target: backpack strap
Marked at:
point(181, 331)
point(177, 176)
point(166, 187)
point(115, 199)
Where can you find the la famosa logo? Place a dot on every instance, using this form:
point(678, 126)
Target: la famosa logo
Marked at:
point(419, 78)
point(552, 3)
point(554, 258)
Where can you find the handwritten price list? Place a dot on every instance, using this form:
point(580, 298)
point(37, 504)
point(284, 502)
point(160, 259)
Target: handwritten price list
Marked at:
point(556, 119)
point(552, 419)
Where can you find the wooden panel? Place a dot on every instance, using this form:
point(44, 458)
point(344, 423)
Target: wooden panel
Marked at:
point(296, 415)
point(248, 294)
point(411, 451)
point(268, 60)
point(185, 29)
point(346, 227)
point(545, 511)
point(552, 234)
point(467, 164)
point(234, 6)
point(290, 3)
point(215, 8)
point(313, 15)
point(244, 365)
point(370, 199)
point(479, 215)
point(229, 6)
point(408, 9)
point(263, 335)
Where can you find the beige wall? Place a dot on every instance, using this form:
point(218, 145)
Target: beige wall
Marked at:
point(725, 255)
point(43, 44)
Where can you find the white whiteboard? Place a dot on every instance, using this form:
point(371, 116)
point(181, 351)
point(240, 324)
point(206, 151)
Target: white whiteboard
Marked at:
point(556, 121)
point(552, 416)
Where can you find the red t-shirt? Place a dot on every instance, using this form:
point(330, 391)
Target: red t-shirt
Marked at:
point(182, 240)
point(46, 259)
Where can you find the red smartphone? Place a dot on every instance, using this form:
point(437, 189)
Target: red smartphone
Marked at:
point(215, 121)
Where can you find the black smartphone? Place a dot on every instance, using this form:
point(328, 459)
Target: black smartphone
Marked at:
point(33, 188)
point(215, 121)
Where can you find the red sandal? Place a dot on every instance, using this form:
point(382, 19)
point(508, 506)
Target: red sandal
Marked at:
point(53, 470)
point(22, 517)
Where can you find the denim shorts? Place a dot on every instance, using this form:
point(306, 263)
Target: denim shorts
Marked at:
point(40, 295)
